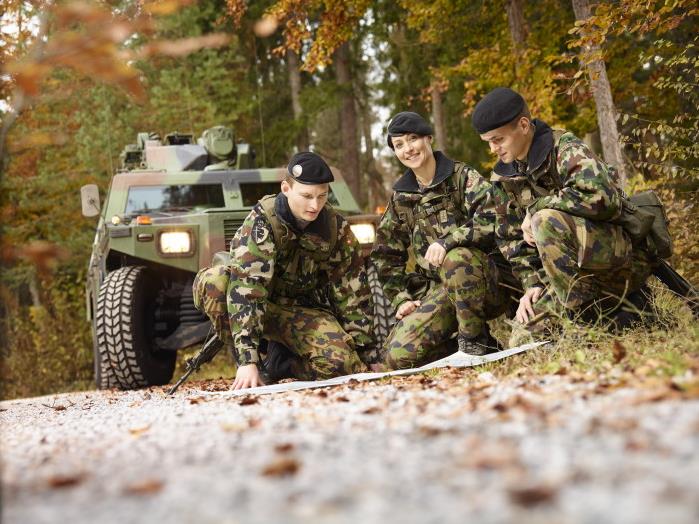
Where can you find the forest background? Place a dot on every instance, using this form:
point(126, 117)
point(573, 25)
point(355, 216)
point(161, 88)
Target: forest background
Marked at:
point(80, 79)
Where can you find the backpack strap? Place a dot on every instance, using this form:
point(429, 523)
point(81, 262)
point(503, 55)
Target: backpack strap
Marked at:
point(279, 231)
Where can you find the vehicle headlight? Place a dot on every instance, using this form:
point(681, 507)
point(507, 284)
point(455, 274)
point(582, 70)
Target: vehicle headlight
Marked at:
point(175, 242)
point(365, 233)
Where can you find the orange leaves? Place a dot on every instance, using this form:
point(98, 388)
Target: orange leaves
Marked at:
point(89, 38)
point(334, 22)
point(165, 7)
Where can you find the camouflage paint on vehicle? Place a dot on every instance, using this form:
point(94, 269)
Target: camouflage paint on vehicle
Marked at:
point(218, 183)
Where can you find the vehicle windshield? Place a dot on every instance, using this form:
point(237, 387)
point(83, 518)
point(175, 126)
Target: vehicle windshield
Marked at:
point(173, 199)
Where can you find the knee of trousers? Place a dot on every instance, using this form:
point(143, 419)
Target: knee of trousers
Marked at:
point(549, 224)
point(209, 290)
point(462, 261)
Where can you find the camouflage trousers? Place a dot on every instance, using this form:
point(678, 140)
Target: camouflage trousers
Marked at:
point(315, 335)
point(470, 293)
point(586, 260)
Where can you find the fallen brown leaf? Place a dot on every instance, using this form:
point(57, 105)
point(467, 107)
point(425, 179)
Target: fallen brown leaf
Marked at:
point(285, 447)
point(618, 351)
point(532, 495)
point(342, 398)
point(281, 467)
point(248, 400)
point(66, 481)
point(138, 431)
point(145, 487)
point(196, 400)
point(372, 410)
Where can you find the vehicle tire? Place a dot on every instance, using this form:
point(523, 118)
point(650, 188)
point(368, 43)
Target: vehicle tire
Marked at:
point(105, 378)
point(383, 312)
point(125, 326)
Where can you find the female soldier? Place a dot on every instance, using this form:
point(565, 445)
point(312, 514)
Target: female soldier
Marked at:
point(440, 212)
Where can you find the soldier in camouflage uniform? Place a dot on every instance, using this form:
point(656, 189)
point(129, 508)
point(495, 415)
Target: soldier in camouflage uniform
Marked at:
point(435, 253)
point(296, 276)
point(556, 204)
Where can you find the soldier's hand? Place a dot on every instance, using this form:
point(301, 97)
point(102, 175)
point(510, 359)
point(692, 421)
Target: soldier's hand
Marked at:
point(247, 377)
point(406, 308)
point(435, 254)
point(527, 230)
point(525, 311)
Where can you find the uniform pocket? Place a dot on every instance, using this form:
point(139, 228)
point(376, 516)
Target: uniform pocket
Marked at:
point(601, 245)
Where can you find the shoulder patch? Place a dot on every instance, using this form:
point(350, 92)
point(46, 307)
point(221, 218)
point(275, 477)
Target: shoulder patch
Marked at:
point(260, 230)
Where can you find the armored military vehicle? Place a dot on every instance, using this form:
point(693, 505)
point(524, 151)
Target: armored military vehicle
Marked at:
point(173, 204)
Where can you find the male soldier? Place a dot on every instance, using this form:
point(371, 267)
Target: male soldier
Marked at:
point(439, 211)
point(556, 203)
point(296, 277)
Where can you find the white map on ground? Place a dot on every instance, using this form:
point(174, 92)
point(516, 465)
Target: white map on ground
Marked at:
point(457, 360)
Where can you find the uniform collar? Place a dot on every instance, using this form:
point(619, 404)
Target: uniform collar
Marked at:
point(444, 169)
point(542, 144)
point(319, 226)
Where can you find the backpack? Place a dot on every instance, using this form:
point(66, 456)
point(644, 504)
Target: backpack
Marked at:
point(642, 216)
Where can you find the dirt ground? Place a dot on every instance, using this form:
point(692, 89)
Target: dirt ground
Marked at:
point(449, 446)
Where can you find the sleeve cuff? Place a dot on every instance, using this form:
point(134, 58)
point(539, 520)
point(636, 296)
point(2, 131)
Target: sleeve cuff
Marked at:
point(247, 356)
point(447, 243)
point(531, 281)
point(400, 298)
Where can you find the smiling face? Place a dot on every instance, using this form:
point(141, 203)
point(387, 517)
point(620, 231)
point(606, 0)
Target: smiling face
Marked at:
point(305, 200)
point(412, 150)
point(512, 141)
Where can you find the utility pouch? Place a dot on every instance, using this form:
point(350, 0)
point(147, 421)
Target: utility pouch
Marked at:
point(643, 218)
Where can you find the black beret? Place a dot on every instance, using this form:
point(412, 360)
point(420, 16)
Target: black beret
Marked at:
point(499, 107)
point(407, 122)
point(309, 168)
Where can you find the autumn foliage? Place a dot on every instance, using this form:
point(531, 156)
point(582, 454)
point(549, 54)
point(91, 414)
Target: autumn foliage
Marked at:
point(80, 79)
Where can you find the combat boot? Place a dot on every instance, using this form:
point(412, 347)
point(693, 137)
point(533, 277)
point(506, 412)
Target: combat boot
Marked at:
point(279, 364)
point(483, 344)
point(635, 310)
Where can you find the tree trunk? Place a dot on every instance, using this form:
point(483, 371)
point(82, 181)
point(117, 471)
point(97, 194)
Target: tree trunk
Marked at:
point(376, 188)
point(438, 117)
point(348, 125)
point(292, 60)
point(518, 25)
point(602, 92)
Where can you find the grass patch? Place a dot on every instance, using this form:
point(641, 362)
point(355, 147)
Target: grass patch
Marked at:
point(221, 367)
point(669, 348)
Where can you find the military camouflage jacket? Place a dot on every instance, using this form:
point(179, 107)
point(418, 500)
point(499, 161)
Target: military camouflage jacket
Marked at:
point(561, 173)
point(455, 210)
point(317, 267)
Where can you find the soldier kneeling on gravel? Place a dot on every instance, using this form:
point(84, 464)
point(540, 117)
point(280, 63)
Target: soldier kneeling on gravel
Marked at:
point(557, 222)
point(295, 277)
point(440, 210)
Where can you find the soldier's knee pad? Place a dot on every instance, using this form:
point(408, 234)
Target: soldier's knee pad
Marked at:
point(551, 222)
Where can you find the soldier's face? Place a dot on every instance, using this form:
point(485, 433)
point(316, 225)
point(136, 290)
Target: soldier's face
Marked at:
point(306, 201)
point(412, 150)
point(511, 141)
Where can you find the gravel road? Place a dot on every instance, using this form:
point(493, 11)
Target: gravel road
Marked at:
point(451, 446)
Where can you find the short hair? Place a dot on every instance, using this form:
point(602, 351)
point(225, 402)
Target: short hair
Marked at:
point(524, 112)
point(289, 179)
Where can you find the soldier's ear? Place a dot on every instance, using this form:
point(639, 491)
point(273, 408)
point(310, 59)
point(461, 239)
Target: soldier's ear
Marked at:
point(286, 187)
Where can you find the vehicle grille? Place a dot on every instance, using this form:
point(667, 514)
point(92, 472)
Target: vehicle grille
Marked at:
point(230, 227)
